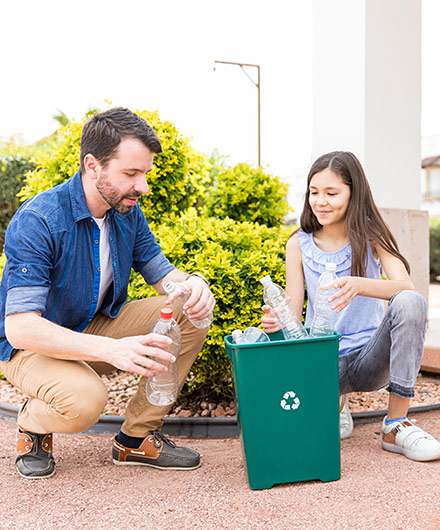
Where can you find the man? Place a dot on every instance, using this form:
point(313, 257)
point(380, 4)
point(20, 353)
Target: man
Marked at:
point(64, 320)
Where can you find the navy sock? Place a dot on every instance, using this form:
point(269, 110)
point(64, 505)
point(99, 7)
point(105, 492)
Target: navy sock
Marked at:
point(129, 441)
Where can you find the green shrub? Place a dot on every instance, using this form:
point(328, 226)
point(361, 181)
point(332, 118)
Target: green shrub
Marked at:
point(244, 193)
point(13, 167)
point(175, 182)
point(434, 250)
point(233, 256)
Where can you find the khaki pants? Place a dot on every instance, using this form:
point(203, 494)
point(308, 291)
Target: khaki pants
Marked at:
point(68, 396)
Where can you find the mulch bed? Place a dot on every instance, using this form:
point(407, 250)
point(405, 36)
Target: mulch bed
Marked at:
point(121, 386)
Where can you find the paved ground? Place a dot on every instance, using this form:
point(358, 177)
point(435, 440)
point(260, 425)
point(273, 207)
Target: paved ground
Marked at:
point(377, 490)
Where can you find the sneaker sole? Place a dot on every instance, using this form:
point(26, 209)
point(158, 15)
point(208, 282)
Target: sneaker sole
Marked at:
point(399, 450)
point(162, 468)
point(30, 477)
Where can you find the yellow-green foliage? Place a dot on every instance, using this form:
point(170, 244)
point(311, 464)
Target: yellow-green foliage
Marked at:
point(233, 256)
point(175, 182)
point(244, 193)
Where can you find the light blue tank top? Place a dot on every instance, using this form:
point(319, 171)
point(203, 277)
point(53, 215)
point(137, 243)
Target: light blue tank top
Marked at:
point(360, 319)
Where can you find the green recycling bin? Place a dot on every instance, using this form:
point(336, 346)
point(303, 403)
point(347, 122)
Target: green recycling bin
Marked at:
point(287, 398)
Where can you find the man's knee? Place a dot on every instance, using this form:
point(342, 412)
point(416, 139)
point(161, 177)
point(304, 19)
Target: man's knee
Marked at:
point(83, 403)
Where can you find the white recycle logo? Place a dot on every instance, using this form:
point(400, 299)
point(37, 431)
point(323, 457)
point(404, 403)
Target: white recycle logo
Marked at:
point(290, 401)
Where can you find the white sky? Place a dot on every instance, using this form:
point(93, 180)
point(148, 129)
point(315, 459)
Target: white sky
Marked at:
point(160, 55)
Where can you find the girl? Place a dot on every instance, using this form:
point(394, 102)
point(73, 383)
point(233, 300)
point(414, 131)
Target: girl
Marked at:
point(340, 223)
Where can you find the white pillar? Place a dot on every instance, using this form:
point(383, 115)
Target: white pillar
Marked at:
point(367, 76)
point(367, 92)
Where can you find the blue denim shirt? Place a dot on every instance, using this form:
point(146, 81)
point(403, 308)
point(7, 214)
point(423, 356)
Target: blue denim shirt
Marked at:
point(52, 267)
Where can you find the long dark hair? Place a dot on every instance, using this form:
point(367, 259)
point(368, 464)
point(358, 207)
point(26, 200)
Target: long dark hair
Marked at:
point(362, 218)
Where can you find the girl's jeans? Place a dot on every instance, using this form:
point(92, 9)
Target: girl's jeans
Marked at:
point(394, 353)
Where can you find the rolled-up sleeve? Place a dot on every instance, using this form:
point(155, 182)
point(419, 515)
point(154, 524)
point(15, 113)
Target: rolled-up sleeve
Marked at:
point(28, 250)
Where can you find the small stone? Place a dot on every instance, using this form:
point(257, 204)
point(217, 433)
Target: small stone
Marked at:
point(211, 406)
point(205, 412)
point(219, 411)
point(204, 405)
point(177, 410)
point(184, 413)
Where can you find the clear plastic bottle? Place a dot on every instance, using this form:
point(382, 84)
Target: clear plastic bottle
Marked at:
point(323, 323)
point(276, 298)
point(162, 388)
point(169, 287)
point(250, 335)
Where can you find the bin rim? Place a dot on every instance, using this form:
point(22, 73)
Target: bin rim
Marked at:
point(228, 341)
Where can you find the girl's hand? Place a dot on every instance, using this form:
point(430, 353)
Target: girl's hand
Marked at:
point(268, 321)
point(348, 288)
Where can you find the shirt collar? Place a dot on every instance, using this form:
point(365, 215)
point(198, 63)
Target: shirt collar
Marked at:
point(78, 199)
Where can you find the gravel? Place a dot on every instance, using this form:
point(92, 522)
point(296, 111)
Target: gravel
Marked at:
point(121, 386)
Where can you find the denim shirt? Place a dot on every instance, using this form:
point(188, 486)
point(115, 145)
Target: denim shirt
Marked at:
point(52, 267)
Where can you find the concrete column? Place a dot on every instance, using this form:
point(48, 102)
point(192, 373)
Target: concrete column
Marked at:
point(367, 77)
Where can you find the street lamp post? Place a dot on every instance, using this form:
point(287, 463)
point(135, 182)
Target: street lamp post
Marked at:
point(257, 84)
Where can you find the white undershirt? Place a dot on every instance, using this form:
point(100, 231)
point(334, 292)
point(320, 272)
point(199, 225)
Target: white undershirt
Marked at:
point(105, 261)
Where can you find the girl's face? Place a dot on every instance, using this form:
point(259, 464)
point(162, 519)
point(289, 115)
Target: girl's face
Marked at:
point(329, 197)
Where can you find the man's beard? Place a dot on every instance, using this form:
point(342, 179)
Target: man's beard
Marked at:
point(112, 196)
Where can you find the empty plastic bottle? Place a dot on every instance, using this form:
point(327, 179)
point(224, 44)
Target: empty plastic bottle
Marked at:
point(249, 336)
point(162, 388)
point(276, 297)
point(323, 322)
point(169, 287)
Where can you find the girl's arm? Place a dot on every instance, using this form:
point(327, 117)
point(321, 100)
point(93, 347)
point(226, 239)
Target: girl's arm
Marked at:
point(295, 274)
point(294, 285)
point(351, 286)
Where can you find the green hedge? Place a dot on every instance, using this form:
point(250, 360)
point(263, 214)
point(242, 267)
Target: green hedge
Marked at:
point(13, 167)
point(245, 193)
point(434, 250)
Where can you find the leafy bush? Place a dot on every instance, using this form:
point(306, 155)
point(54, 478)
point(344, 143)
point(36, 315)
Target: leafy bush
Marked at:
point(434, 250)
point(244, 193)
point(13, 167)
point(175, 182)
point(233, 256)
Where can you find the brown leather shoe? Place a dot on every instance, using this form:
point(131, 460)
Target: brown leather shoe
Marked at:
point(34, 455)
point(156, 451)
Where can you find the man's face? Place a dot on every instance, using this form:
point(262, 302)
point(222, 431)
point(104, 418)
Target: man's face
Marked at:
point(123, 180)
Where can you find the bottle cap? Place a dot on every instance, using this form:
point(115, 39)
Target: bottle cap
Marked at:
point(168, 286)
point(266, 279)
point(330, 266)
point(166, 313)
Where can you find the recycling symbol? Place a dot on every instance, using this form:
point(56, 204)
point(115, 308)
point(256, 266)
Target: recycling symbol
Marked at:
point(290, 401)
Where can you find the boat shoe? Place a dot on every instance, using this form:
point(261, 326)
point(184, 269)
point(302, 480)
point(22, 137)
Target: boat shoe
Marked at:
point(157, 451)
point(34, 455)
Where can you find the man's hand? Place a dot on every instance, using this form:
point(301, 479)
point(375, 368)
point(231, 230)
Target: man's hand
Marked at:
point(201, 302)
point(132, 354)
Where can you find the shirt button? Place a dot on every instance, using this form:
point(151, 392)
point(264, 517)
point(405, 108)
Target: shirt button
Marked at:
point(24, 270)
point(98, 269)
point(95, 298)
point(96, 241)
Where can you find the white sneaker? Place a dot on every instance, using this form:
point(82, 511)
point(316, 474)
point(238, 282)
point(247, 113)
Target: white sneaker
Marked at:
point(411, 441)
point(345, 419)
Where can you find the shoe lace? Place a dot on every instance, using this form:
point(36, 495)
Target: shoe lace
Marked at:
point(159, 438)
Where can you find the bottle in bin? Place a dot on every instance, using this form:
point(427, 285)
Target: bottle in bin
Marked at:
point(162, 388)
point(169, 287)
point(323, 323)
point(277, 299)
point(250, 335)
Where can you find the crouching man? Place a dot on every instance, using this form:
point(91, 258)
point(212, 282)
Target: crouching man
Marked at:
point(64, 317)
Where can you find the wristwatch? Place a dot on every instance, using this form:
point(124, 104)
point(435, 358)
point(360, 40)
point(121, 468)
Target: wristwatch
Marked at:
point(199, 276)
